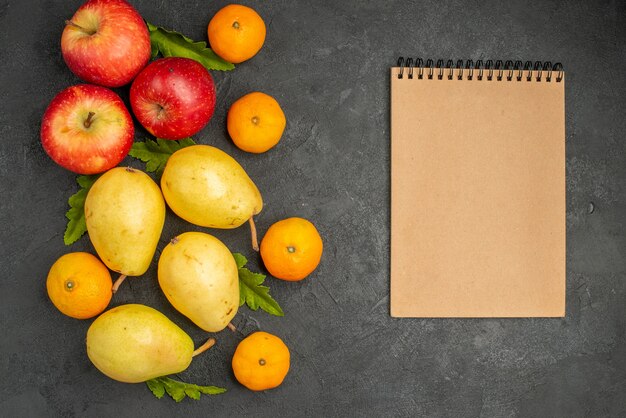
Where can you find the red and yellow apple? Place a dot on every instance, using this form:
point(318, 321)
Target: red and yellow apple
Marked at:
point(106, 42)
point(173, 98)
point(87, 129)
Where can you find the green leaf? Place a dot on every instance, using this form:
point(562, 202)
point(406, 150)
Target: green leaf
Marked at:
point(156, 153)
point(157, 388)
point(173, 44)
point(87, 181)
point(192, 392)
point(210, 390)
point(179, 390)
point(240, 260)
point(252, 293)
point(174, 388)
point(76, 226)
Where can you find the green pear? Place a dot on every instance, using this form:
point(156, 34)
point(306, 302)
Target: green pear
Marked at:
point(198, 275)
point(134, 343)
point(207, 187)
point(124, 213)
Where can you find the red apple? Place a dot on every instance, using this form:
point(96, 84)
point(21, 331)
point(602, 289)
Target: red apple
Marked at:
point(173, 98)
point(87, 129)
point(106, 42)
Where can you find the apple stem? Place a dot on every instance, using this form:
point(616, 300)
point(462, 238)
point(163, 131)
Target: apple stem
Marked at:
point(204, 347)
point(89, 119)
point(118, 282)
point(255, 241)
point(231, 327)
point(89, 32)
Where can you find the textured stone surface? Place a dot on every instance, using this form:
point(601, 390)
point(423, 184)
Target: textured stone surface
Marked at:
point(327, 64)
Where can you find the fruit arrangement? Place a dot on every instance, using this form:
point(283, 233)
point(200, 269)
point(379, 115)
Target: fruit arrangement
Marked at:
point(89, 130)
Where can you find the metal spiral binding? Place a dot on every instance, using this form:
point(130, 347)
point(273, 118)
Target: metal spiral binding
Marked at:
point(513, 70)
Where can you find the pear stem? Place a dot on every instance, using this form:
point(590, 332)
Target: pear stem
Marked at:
point(88, 32)
point(118, 282)
point(231, 327)
point(255, 241)
point(204, 347)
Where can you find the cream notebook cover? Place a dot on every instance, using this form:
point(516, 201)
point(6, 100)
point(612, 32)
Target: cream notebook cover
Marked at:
point(477, 190)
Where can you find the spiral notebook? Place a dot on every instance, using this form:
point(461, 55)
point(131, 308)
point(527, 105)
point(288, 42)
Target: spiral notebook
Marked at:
point(477, 189)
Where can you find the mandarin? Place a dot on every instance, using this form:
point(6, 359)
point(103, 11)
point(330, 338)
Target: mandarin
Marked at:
point(255, 122)
point(291, 249)
point(261, 361)
point(79, 285)
point(236, 33)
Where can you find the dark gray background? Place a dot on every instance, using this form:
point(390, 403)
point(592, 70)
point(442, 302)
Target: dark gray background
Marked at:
point(328, 67)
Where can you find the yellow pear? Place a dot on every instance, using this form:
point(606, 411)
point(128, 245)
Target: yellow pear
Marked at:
point(207, 187)
point(134, 343)
point(124, 213)
point(199, 277)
